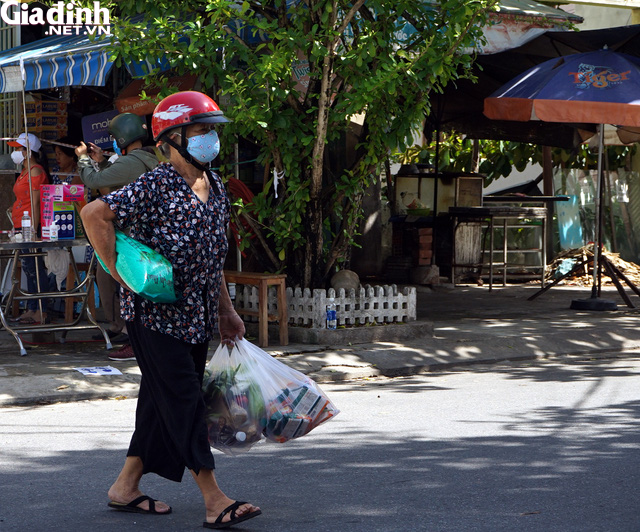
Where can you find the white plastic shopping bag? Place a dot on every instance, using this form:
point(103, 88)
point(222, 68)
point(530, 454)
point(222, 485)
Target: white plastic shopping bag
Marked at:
point(251, 395)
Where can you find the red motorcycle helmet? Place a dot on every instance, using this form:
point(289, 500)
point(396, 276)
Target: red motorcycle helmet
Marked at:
point(182, 109)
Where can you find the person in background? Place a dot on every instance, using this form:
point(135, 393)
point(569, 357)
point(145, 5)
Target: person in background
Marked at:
point(181, 210)
point(66, 169)
point(65, 172)
point(129, 133)
point(27, 153)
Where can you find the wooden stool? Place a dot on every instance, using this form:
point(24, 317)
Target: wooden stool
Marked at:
point(69, 301)
point(263, 281)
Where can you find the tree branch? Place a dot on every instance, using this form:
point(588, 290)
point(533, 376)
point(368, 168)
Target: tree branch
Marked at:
point(471, 22)
point(294, 103)
point(235, 36)
point(346, 21)
point(341, 241)
point(275, 152)
point(263, 242)
point(258, 7)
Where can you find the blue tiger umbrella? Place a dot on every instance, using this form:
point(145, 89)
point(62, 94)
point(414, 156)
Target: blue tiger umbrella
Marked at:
point(601, 87)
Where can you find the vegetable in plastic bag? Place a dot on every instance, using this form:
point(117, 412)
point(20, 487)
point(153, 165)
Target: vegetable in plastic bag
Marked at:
point(250, 395)
point(235, 409)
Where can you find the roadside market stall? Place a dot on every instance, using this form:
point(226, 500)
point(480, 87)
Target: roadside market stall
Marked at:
point(60, 61)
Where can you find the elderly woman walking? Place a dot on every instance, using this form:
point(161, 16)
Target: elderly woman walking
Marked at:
point(180, 209)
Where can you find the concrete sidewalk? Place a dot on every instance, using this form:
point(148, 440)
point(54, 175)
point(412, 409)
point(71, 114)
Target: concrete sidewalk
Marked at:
point(471, 325)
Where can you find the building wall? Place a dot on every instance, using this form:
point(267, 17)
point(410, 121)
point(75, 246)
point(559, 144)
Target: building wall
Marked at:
point(599, 17)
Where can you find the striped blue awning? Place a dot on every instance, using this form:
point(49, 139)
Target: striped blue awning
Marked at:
point(56, 61)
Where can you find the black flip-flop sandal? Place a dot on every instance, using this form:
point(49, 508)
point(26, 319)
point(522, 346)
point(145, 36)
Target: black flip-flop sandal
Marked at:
point(217, 524)
point(133, 507)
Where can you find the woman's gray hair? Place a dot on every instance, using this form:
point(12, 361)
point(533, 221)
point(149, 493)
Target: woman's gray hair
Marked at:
point(164, 148)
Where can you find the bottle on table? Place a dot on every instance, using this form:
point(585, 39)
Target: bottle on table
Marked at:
point(53, 231)
point(27, 230)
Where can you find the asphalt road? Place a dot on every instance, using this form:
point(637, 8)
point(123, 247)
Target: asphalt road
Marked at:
point(544, 446)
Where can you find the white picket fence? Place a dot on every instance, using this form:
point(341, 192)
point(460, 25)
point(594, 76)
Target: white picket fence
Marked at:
point(379, 304)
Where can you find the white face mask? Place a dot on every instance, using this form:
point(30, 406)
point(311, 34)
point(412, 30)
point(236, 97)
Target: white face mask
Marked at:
point(17, 157)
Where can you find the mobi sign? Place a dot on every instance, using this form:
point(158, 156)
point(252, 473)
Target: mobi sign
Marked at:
point(598, 77)
point(63, 18)
point(95, 128)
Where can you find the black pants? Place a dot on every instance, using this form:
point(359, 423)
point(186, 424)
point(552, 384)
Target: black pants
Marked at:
point(170, 432)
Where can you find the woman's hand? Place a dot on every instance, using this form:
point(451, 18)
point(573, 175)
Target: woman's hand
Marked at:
point(230, 326)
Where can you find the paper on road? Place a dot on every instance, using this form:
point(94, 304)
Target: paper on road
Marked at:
point(99, 370)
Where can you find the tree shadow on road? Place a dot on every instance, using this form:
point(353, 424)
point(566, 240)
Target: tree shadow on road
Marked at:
point(553, 468)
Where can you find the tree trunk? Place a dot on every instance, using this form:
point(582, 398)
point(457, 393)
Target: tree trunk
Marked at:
point(313, 249)
point(315, 214)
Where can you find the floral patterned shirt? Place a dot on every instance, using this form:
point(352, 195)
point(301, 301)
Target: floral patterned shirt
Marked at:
point(165, 214)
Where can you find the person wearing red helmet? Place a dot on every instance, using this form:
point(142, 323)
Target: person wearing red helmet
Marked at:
point(180, 209)
point(175, 113)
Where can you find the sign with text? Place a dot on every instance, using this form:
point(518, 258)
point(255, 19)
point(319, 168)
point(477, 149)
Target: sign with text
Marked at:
point(57, 205)
point(95, 129)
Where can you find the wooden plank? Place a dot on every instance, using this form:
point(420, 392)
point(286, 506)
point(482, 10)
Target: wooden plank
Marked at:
point(616, 282)
point(252, 277)
point(283, 315)
point(263, 320)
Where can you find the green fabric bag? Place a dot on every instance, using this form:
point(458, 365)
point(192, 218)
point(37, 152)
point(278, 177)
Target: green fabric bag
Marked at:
point(143, 269)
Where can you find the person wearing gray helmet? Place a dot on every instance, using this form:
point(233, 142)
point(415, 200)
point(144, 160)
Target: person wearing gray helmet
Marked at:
point(129, 132)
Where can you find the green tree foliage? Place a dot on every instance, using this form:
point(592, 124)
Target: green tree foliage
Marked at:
point(362, 62)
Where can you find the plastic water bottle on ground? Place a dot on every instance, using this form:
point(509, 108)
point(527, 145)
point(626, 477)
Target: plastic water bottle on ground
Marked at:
point(332, 319)
point(27, 230)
